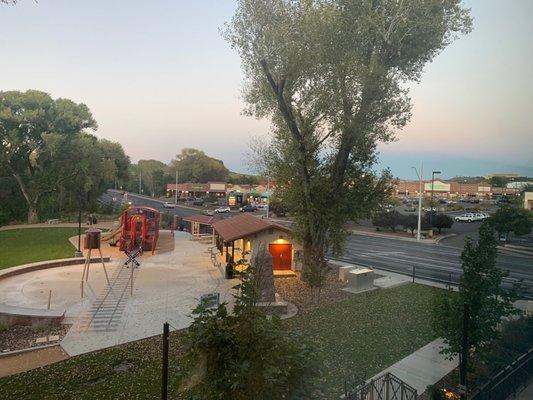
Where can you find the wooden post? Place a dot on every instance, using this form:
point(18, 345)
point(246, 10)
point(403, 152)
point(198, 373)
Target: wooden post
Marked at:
point(105, 270)
point(413, 274)
point(81, 286)
point(49, 298)
point(88, 264)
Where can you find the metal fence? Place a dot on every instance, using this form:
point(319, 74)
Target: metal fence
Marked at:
point(386, 387)
point(509, 381)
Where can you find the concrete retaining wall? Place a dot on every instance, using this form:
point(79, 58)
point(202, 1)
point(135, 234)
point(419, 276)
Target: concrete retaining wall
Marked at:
point(13, 315)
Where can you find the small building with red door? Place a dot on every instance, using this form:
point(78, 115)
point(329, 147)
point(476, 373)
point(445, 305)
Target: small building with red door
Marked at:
point(237, 237)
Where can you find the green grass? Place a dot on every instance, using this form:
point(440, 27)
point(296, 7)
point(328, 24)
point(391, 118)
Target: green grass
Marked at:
point(367, 332)
point(22, 246)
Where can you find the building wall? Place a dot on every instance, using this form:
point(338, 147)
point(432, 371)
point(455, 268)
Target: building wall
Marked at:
point(528, 201)
point(248, 244)
point(450, 189)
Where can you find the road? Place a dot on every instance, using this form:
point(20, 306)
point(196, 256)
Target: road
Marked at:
point(435, 262)
point(182, 211)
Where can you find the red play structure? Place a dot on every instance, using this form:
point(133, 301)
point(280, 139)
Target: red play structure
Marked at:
point(139, 227)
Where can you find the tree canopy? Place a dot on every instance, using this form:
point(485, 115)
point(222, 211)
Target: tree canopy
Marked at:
point(47, 152)
point(195, 166)
point(330, 75)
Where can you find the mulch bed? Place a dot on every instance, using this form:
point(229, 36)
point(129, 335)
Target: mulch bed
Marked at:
point(23, 337)
point(296, 291)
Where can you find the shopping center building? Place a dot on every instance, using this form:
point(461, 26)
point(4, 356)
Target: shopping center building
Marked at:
point(451, 189)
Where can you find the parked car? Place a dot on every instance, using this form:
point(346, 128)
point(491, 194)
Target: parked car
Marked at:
point(166, 204)
point(468, 217)
point(482, 216)
point(198, 202)
point(224, 209)
point(429, 209)
point(248, 208)
point(261, 206)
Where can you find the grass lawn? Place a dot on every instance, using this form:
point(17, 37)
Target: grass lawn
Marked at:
point(365, 333)
point(22, 246)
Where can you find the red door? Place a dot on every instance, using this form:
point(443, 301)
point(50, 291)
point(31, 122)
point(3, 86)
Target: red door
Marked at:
point(281, 256)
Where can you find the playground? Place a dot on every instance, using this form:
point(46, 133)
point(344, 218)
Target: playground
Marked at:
point(118, 298)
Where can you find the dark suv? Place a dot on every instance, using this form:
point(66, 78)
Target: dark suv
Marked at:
point(248, 208)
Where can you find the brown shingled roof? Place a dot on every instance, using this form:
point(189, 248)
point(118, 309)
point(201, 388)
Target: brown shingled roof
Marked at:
point(244, 225)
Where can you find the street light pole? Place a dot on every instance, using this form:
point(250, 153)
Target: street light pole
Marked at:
point(140, 180)
point(419, 198)
point(176, 189)
point(268, 197)
point(431, 202)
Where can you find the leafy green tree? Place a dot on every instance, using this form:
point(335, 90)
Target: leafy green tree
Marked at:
point(498, 181)
point(195, 166)
point(331, 77)
point(480, 289)
point(35, 131)
point(391, 219)
point(245, 354)
point(441, 221)
point(152, 169)
point(411, 222)
point(511, 219)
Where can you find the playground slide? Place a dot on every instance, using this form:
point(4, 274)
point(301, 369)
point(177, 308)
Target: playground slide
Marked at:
point(112, 234)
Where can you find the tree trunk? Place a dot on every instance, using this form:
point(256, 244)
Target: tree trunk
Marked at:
point(33, 217)
point(313, 261)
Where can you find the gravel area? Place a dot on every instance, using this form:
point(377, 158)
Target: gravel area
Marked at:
point(297, 292)
point(23, 337)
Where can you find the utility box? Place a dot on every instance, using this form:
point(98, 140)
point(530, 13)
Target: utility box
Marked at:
point(360, 279)
point(343, 272)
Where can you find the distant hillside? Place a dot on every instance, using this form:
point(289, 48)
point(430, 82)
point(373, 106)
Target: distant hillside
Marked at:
point(235, 177)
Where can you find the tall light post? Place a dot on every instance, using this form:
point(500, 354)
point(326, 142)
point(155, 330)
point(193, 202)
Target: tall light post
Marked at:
point(268, 197)
point(176, 189)
point(140, 180)
point(431, 202)
point(419, 198)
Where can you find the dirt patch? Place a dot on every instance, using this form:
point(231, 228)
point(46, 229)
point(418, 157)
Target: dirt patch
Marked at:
point(296, 291)
point(23, 337)
point(17, 363)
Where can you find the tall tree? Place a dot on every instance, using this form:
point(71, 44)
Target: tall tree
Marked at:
point(480, 289)
point(195, 166)
point(35, 131)
point(330, 75)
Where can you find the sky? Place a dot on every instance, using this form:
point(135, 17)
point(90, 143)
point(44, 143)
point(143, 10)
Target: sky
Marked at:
point(158, 77)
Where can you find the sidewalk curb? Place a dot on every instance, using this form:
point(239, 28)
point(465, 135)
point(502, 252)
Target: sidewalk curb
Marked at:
point(438, 240)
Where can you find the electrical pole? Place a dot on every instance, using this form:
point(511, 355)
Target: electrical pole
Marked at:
point(140, 180)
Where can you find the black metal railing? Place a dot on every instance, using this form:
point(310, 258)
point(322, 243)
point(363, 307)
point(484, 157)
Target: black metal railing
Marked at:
point(509, 381)
point(385, 387)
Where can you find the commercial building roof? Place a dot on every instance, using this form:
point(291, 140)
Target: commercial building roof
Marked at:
point(244, 225)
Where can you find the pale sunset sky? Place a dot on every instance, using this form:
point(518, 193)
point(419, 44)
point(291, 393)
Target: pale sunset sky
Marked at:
point(158, 77)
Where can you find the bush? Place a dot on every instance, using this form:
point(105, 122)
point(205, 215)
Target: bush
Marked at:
point(244, 355)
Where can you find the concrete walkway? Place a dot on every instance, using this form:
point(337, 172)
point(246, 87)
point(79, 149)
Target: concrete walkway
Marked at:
point(167, 287)
point(424, 367)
